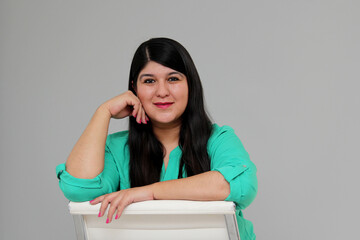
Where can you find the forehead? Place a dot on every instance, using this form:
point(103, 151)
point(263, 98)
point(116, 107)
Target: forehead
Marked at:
point(155, 68)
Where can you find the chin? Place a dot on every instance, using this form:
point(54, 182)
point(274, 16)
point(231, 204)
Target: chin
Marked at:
point(163, 121)
point(167, 120)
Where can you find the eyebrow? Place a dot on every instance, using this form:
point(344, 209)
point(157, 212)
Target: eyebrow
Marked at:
point(151, 75)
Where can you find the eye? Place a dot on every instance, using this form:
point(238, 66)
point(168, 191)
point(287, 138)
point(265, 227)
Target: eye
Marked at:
point(173, 79)
point(149, 80)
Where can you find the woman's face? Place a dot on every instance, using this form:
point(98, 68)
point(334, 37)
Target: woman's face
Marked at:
point(163, 93)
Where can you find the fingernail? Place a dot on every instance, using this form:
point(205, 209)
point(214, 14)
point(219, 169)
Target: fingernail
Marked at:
point(99, 214)
point(135, 116)
point(116, 217)
point(107, 220)
point(91, 201)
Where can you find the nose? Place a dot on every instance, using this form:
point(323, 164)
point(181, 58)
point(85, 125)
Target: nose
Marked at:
point(162, 89)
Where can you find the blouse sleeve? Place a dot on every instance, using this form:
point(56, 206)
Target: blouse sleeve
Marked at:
point(80, 190)
point(229, 157)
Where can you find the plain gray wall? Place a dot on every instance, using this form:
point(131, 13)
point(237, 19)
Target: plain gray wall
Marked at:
point(283, 74)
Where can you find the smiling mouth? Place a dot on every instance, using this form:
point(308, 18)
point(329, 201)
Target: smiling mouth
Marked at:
point(163, 105)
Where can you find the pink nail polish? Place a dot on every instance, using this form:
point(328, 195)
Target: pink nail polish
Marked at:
point(116, 217)
point(107, 220)
point(99, 214)
point(91, 201)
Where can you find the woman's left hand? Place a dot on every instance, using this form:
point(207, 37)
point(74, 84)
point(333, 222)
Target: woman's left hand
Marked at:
point(119, 200)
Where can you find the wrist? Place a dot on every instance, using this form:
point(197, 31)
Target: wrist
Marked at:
point(103, 110)
point(154, 188)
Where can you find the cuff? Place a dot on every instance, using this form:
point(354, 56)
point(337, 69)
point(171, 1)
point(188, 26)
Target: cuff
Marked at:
point(65, 177)
point(230, 173)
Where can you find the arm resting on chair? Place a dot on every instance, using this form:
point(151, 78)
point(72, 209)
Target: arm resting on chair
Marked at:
point(208, 186)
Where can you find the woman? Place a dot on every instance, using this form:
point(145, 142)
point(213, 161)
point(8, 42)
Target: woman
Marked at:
point(171, 151)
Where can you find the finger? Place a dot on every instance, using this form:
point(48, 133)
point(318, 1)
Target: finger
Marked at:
point(134, 102)
point(143, 115)
point(117, 214)
point(113, 207)
point(121, 208)
point(105, 204)
point(139, 114)
point(135, 109)
point(97, 200)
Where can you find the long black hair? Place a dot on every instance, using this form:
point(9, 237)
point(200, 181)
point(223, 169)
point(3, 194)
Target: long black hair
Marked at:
point(146, 151)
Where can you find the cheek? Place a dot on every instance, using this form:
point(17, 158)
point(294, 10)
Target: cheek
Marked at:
point(141, 98)
point(144, 94)
point(145, 98)
point(183, 95)
point(180, 91)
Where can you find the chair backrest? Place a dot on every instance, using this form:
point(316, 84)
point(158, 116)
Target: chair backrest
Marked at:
point(159, 219)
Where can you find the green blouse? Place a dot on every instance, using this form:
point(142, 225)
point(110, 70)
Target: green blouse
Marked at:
point(225, 150)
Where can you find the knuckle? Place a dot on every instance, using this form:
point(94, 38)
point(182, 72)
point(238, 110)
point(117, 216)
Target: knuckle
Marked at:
point(120, 207)
point(108, 197)
point(112, 207)
point(103, 205)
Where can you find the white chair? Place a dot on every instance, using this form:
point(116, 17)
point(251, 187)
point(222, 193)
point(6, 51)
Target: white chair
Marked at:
point(158, 219)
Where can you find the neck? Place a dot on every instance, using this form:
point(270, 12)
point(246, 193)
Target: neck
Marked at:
point(167, 134)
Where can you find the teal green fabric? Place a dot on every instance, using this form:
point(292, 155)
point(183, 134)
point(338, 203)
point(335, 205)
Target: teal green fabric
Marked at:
point(227, 155)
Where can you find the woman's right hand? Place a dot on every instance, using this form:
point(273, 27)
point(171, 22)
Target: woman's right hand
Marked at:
point(126, 104)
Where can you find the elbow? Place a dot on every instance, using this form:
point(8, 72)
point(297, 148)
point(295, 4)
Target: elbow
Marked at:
point(81, 190)
point(249, 187)
point(243, 186)
point(76, 197)
point(223, 186)
point(248, 195)
point(246, 189)
point(77, 194)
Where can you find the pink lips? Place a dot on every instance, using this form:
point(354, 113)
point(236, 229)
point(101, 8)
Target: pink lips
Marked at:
point(163, 105)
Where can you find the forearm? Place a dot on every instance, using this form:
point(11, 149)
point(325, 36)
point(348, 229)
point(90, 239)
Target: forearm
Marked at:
point(86, 159)
point(208, 186)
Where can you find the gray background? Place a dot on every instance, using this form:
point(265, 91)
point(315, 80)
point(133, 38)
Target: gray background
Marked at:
point(283, 74)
